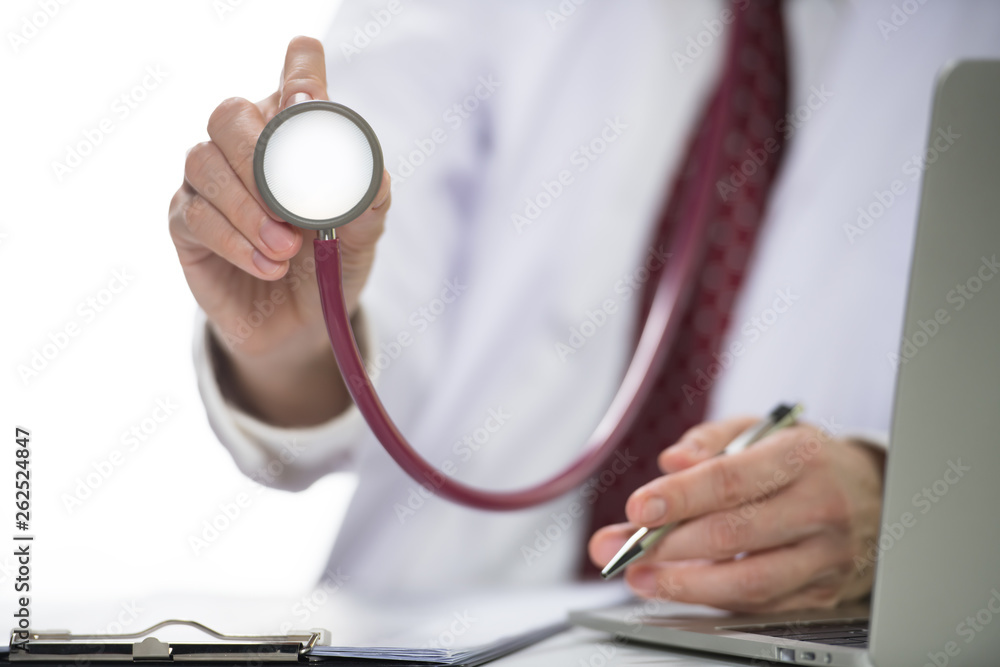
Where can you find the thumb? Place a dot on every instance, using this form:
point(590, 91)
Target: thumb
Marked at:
point(303, 77)
point(702, 442)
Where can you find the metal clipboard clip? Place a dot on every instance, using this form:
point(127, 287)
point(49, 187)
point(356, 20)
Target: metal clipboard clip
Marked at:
point(59, 646)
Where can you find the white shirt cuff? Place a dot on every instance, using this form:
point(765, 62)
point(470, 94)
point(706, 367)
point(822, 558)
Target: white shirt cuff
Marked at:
point(285, 458)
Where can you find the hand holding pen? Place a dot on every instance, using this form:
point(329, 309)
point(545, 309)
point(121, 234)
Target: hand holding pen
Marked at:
point(644, 538)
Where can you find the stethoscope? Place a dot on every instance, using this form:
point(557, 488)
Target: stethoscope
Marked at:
point(318, 165)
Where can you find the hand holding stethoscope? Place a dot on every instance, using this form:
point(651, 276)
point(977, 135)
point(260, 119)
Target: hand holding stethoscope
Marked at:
point(253, 275)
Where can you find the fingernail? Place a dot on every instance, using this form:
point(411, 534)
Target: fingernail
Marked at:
point(652, 510)
point(689, 446)
point(277, 236)
point(263, 263)
point(298, 97)
point(642, 581)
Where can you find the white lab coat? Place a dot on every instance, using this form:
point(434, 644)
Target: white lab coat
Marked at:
point(575, 122)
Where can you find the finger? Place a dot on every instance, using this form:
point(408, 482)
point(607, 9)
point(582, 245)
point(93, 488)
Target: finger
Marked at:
point(304, 73)
point(608, 541)
point(383, 198)
point(269, 106)
point(358, 239)
point(366, 228)
point(702, 442)
point(234, 127)
point(749, 583)
point(764, 522)
point(196, 223)
point(717, 484)
point(211, 176)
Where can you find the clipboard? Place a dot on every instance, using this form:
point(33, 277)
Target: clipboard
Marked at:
point(58, 646)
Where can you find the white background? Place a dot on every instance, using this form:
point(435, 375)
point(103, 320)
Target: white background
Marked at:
point(61, 241)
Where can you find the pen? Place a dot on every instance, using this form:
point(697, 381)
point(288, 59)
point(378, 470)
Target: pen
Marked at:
point(644, 538)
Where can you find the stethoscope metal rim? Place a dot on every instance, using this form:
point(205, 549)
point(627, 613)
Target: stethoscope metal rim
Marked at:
point(268, 196)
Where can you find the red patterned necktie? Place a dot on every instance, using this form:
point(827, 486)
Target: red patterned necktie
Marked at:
point(753, 148)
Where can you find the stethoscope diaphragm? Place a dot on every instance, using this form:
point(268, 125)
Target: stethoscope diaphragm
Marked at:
point(318, 165)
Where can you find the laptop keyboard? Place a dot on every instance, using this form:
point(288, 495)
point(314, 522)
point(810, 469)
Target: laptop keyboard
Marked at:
point(840, 633)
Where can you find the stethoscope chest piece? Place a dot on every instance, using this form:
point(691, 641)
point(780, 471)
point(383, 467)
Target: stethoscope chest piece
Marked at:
point(318, 165)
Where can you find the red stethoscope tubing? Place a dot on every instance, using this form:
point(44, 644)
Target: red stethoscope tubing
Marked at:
point(662, 324)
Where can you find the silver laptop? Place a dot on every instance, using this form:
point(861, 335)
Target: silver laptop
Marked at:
point(936, 600)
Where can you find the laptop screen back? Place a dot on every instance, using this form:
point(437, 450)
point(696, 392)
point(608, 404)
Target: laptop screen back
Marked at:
point(937, 587)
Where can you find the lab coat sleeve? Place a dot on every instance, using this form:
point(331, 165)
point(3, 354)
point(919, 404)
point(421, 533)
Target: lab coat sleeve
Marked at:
point(285, 458)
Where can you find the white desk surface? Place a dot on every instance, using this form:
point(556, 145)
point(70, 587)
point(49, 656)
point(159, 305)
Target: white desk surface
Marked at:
point(580, 647)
